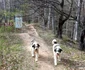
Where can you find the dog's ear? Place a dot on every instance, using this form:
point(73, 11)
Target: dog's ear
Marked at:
point(60, 50)
point(38, 45)
point(54, 50)
point(55, 42)
point(33, 45)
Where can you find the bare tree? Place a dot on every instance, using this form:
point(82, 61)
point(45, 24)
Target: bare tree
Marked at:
point(77, 23)
point(62, 19)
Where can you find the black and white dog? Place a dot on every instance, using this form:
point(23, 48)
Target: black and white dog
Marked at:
point(35, 50)
point(56, 51)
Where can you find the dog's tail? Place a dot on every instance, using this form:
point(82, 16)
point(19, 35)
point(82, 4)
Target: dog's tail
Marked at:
point(54, 41)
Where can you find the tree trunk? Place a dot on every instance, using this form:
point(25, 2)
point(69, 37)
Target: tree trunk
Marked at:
point(67, 28)
point(82, 41)
point(62, 20)
point(53, 24)
point(59, 30)
point(49, 17)
point(76, 29)
point(45, 17)
point(33, 16)
point(59, 33)
point(60, 25)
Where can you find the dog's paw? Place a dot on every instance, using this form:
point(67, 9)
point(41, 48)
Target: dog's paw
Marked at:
point(33, 55)
point(36, 60)
point(55, 64)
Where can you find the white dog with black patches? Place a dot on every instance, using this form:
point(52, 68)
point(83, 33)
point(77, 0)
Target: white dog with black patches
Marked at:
point(56, 51)
point(35, 50)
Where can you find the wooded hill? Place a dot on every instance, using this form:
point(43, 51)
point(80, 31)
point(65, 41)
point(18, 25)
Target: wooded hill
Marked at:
point(64, 17)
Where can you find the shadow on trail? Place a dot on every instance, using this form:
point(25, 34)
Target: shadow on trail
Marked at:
point(45, 59)
point(73, 64)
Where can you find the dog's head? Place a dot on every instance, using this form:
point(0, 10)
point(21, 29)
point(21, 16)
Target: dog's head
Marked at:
point(54, 41)
point(35, 45)
point(33, 41)
point(58, 49)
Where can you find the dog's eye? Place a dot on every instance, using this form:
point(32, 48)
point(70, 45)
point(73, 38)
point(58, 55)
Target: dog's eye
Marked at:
point(55, 42)
point(60, 50)
point(54, 50)
point(38, 45)
point(33, 46)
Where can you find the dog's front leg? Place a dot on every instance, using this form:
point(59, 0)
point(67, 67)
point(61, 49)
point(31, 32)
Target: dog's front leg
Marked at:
point(59, 58)
point(55, 59)
point(37, 55)
point(33, 52)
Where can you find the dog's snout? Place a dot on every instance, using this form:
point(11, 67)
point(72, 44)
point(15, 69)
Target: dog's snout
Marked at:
point(36, 48)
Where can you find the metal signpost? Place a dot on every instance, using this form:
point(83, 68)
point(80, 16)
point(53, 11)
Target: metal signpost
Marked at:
point(18, 22)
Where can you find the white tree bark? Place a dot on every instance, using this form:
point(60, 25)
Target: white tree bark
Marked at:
point(75, 37)
point(32, 11)
point(4, 3)
point(75, 30)
point(45, 17)
point(9, 9)
point(67, 27)
point(49, 17)
point(53, 23)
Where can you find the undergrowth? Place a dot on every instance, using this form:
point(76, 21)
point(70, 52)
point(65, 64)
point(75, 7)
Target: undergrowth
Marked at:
point(71, 56)
point(11, 55)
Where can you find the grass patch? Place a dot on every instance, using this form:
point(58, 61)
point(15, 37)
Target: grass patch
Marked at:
point(12, 29)
point(8, 29)
point(10, 52)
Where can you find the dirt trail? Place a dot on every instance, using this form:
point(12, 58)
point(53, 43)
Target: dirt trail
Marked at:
point(46, 58)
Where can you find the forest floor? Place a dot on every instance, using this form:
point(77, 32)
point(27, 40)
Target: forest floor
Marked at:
point(46, 56)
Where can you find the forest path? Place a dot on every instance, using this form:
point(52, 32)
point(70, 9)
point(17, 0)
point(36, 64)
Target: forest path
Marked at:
point(46, 57)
